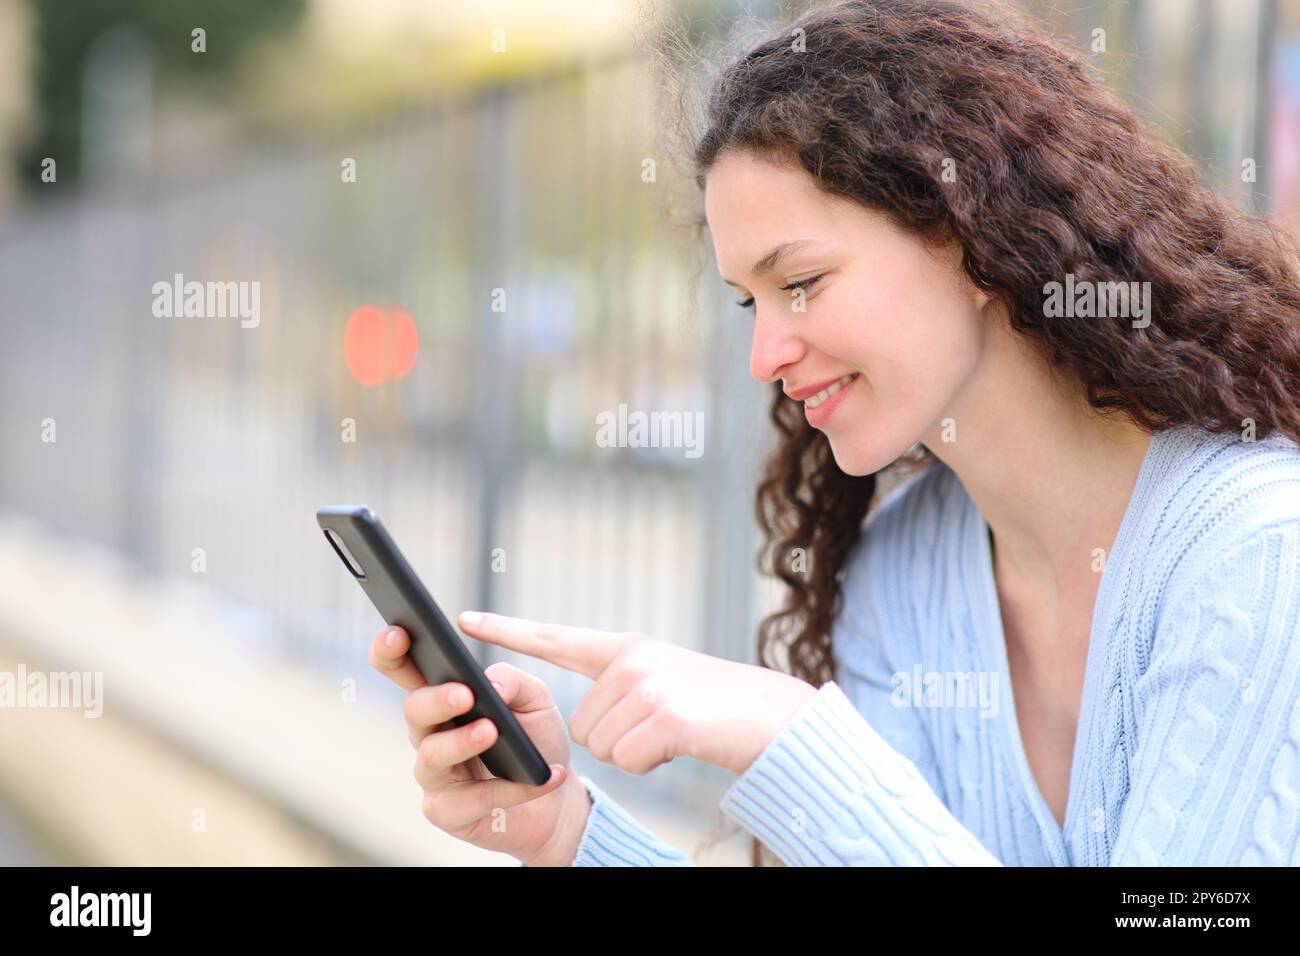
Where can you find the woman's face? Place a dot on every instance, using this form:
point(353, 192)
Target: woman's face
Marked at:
point(898, 317)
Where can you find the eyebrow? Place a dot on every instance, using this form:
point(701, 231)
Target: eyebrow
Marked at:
point(766, 264)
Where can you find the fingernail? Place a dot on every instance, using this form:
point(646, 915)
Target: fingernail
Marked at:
point(471, 617)
point(500, 689)
point(391, 639)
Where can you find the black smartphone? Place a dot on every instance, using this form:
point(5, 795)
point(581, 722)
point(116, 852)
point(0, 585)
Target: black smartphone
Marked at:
point(366, 550)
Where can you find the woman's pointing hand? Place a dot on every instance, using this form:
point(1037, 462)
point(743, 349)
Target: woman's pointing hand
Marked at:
point(653, 701)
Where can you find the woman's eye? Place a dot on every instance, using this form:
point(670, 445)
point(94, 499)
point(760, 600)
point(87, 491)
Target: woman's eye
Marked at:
point(802, 283)
point(789, 287)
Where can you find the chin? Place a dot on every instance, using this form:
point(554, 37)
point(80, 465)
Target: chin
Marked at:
point(858, 459)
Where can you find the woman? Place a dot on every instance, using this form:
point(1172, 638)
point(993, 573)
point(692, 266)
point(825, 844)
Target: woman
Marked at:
point(1074, 637)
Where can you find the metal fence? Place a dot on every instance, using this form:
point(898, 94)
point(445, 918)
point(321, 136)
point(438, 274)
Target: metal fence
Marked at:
point(201, 449)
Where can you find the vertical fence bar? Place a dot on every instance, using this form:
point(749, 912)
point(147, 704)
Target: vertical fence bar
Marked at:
point(1260, 191)
point(495, 381)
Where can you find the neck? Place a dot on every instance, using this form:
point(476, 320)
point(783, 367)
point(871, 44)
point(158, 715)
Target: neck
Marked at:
point(1051, 476)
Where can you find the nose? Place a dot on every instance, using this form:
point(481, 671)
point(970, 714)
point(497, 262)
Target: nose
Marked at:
point(774, 348)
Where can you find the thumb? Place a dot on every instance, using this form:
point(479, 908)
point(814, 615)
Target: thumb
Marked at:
point(521, 691)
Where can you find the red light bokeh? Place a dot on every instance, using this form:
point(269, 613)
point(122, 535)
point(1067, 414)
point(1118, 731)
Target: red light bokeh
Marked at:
point(380, 344)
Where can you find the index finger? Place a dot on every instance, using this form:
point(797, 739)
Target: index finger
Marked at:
point(582, 650)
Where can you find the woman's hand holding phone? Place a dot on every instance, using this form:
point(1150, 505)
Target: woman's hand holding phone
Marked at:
point(540, 826)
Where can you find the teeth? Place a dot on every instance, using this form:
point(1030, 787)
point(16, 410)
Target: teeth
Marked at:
point(825, 393)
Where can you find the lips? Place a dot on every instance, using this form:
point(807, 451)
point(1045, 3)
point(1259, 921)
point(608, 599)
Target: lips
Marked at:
point(807, 391)
point(813, 401)
point(819, 408)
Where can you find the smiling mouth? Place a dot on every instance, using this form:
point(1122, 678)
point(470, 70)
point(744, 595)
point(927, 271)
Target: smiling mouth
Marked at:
point(812, 401)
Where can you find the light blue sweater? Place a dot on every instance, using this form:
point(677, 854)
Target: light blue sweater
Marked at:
point(1188, 743)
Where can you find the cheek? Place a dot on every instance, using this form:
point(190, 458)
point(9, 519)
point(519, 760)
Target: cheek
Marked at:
point(930, 329)
point(927, 362)
point(913, 353)
point(854, 325)
point(904, 327)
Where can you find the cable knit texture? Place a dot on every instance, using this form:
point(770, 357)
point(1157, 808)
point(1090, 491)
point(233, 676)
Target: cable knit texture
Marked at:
point(1188, 743)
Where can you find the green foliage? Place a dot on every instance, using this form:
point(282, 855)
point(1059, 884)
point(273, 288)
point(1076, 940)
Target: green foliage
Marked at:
point(66, 30)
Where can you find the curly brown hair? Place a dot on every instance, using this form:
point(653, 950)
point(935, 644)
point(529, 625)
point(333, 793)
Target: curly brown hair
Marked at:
point(1054, 175)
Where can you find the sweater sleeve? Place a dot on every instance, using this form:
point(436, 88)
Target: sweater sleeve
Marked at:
point(1215, 776)
point(851, 780)
point(614, 838)
point(830, 791)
